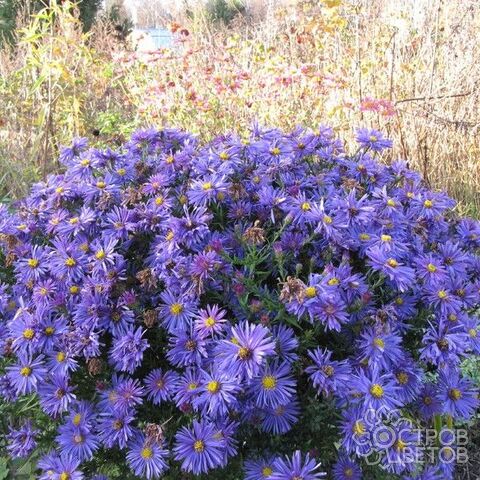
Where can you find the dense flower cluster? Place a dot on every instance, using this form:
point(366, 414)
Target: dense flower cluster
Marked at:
point(183, 304)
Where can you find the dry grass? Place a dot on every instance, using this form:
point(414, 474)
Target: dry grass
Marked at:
point(308, 64)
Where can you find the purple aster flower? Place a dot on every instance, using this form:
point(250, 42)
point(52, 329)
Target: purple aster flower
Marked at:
point(381, 348)
point(328, 376)
point(280, 419)
point(160, 386)
point(430, 268)
point(127, 350)
point(402, 449)
point(21, 441)
point(408, 380)
point(198, 448)
point(33, 265)
point(286, 343)
point(115, 429)
point(261, 469)
point(210, 321)
point(346, 469)
point(372, 140)
point(56, 394)
point(207, 189)
point(79, 442)
point(288, 468)
point(67, 154)
point(379, 391)
point(403, 277)
point(443, 346)
point(146, 458)
point(176, 311)
point(63, 467)
point(356, 431)
point(442, 299)
point(128, 395)
point(217, 394)
point(274, 385)
point(27, 373)
point(186, 348)
point(187, 387)
point(457, 395)
point(330, 311)
point(428, 402)
point(245, 352)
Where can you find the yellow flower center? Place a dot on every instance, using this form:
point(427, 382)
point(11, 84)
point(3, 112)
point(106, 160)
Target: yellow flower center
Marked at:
point(400, 445)
point(213, 386)
point(275, 151)
point(392, 263)
point(390, 202)
point(28, 333)
point(327, 219)
point(333, 281)
point(373, 138)
point(431, 268)
point(305, 206)
point(473, 333)
point(358, 428)
point(70, 262)
point(207, 186)
point(442, 294)
point(310, 292)
point(49, 331)
point(386, 238)
point(209, 322)
point(244, 353)
point(74, 289)
point(378, 342)
point(146, 453)
point(43, 291)
point(25, 371)
point(64, 476)
point(399, 301)
point(428, 204)
point(77, 419)
point(427, 400)
point(169, 236)
point(376, 390)
point(266, 471)
point(364, 237)
point(192, 386)
point(454, 394)
point(224, 156)
point(348, 472)
point(60, 357)
point(117, 424)
point(73, 221)
point(159, 201)
point(269, 382)
point(101, 184)
point(85, 163)
point(121, 172)
point(199, 446)
point(100, 255)
point(402, 378)
point(176, 309)
point(32, 262)
point(59, 190)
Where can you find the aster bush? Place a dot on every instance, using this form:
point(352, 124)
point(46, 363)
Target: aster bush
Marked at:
point(235, 310)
